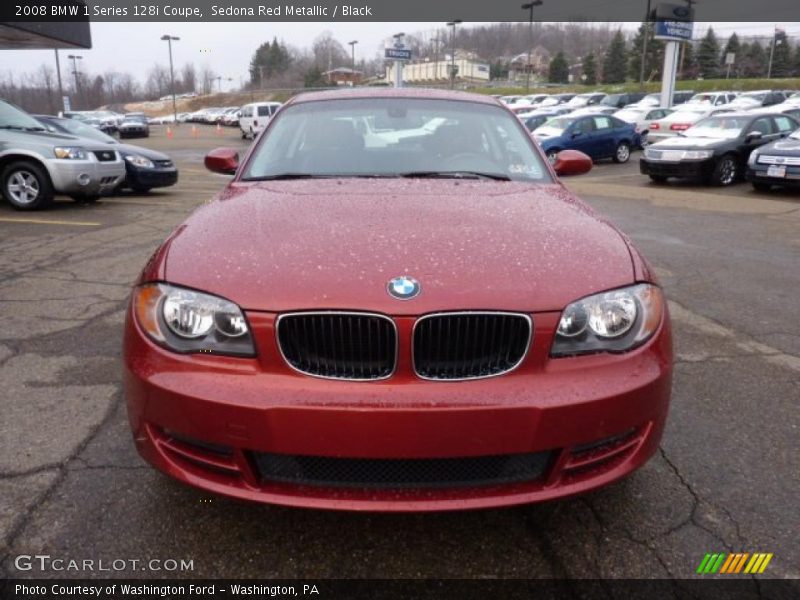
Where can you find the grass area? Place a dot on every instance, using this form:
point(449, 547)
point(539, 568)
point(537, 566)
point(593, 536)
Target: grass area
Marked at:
point(698, 85)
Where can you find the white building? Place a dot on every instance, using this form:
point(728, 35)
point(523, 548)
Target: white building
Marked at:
point(469, 70)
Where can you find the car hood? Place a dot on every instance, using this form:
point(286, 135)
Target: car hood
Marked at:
point(146, 152)
point(10, 138)
point(680, 143)
point(785, 147)
point(335, 244)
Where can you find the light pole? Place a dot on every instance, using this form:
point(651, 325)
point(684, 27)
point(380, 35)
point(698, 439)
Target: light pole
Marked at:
point(169, 39)
point(529, 7)
point(772, 52)
point(453, 24)
point(219, 79)
point(398, 64)
point(644, 44)
point(73, 58)
point(60, 86)
point(353, 62)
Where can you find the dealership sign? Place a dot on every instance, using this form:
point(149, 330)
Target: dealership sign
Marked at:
point(674, 22)
point(398, 53)
point(676, 31)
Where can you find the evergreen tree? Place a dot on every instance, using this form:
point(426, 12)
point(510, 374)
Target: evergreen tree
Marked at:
point(269, 60)
point(708, 55)
point(755, 61)
point(796, 62)
point(688, 65)
point(782, 55)
point(654, 60)
point(559, 69)
point(314, 78)
point(589, 68)
point(732, 46)
point(614, 60)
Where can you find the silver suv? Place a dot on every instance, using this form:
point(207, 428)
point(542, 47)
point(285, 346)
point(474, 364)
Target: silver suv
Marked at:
point(36, 164)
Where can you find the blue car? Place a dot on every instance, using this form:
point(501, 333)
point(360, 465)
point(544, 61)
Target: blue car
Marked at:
point(599, 136)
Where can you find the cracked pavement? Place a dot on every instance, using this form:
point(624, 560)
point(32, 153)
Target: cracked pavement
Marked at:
point(726, 477)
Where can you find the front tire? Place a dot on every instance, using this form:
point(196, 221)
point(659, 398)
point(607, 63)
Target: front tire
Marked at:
point(658, 179)
point(726, 171)
point(26, 185)
point(141, 189)
point(623, 153)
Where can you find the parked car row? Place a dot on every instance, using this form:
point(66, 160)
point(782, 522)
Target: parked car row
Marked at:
point(715, 137)
point(725, 148)
point(46, 155)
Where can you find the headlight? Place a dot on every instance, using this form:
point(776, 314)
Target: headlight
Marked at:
point(139, 161)
point(697, 154)
point(188, 321)
point(753, 159)
point(70, 152)
point(615, 321)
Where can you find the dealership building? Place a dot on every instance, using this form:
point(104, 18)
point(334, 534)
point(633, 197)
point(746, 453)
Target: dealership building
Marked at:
point(469, 70)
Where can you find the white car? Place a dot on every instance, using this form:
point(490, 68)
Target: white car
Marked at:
point(679, 121)
point(255, 116)
point(711, 99)
point(593, 110)
point(643, 117)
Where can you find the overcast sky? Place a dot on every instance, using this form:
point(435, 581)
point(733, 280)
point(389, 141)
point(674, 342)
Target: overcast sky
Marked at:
point(227, 47)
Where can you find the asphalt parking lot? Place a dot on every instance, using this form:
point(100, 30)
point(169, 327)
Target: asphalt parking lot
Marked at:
point(726, 478)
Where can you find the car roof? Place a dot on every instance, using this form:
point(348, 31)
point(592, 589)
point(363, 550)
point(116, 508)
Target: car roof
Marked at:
point(416, 93)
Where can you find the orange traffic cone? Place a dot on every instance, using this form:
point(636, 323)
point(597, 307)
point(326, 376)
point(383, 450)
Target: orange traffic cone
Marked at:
point(169, 132)
point(194, 130)
point(219, 129)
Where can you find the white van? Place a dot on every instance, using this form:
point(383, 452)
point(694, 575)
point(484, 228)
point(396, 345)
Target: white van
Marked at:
point(255, 116)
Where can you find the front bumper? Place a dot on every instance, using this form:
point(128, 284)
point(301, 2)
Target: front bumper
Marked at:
point(685, 169)
point(85, 177)
point(758, 174)
point(207, 420)
point(151, 178)
point(133, 131)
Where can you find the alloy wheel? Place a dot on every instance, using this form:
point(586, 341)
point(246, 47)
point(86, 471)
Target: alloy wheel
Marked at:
point(23, 187)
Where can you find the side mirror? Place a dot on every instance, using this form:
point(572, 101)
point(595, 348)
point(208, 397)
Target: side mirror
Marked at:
point(754, 136)
point(223, 160)
point(572, 162)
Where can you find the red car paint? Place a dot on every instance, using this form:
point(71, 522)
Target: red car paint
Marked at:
point(279, 246)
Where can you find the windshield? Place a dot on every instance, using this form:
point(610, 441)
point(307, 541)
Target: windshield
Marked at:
point(390, 137)
point(748, 99)
point(555, 126)
point(611, 100)
point(12, 117)
point(702, 99)
point(579, 101)
point(721, 127)
point(77, 128)
point(138, 118)
point(629, 114)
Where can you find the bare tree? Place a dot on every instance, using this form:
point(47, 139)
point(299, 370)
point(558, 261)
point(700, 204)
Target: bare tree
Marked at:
point(188, 78)
point(207, 77)
point(46, 82)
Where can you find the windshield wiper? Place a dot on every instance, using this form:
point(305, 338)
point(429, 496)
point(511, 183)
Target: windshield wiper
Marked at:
point(454, 175)
point(280, 176)
point(20, 128)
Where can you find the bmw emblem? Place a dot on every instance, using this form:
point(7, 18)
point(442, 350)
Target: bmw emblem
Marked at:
point(403, 288)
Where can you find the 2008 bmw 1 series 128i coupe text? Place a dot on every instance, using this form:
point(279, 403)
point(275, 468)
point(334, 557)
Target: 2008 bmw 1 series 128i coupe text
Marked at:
point(396, 306)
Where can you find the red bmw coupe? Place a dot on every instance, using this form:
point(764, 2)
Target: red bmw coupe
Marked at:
point(396, 306)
